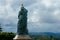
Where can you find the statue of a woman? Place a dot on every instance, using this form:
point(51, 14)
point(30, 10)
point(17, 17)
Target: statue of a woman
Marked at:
point(22, 21)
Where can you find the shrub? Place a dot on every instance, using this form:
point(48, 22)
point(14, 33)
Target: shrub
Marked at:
point(6, 35)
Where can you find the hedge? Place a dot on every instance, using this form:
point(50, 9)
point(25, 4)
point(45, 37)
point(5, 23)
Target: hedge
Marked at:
point(6, 35)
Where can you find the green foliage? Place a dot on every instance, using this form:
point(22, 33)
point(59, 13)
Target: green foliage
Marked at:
point(44, 37)
point(10, 36)
point(6, 35)
point(0, 28)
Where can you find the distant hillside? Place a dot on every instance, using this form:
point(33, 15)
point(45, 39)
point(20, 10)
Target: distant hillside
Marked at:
point(45, 33)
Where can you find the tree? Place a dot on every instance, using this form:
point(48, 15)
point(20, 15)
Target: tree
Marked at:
point(0, 28)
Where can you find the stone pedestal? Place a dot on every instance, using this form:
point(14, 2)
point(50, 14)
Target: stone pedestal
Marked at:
point(22, 37)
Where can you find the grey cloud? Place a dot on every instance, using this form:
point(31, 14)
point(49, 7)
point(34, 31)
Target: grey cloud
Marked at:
point(47, 20)
point(2, 2)
point(16, 4)
point(46, 15)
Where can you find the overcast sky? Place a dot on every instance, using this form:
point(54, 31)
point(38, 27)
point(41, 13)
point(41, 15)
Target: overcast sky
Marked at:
point(43, 15)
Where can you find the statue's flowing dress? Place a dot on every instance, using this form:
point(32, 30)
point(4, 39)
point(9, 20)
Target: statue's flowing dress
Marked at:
point(22, 22)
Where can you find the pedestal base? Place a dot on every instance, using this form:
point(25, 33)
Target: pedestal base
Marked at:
point(22, 37)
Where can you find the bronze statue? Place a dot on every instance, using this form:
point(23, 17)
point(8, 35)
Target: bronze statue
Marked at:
point(22, 21)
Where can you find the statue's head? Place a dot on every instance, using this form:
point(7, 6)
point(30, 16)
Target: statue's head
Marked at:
point(22, 7)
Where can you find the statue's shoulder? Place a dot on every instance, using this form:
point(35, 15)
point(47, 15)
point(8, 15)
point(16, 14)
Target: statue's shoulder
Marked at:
point(25, 10)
